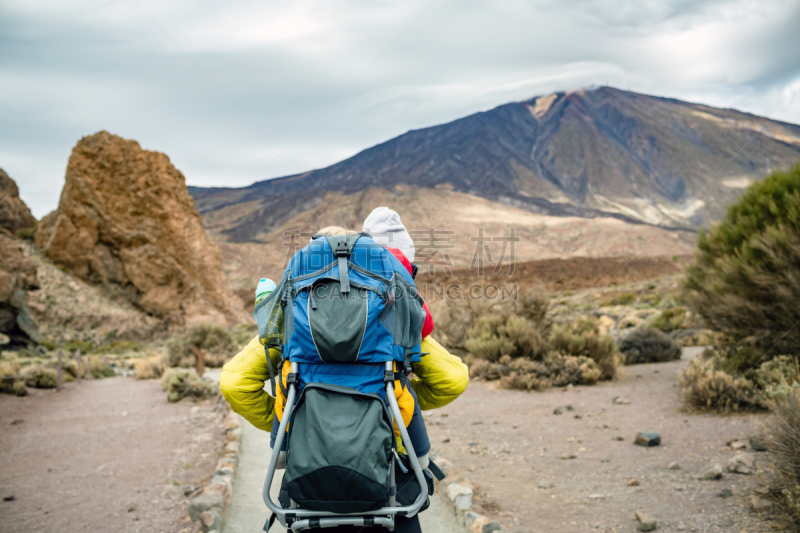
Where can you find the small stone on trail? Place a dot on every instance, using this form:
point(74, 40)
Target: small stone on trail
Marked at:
point(604, 459)
point(715, 472)
point(646, 438)
point(760, 505)
point(545, 484)
point(742, 463)
point(614, 401)
point(569, 408)
point(17, 421)
point(639, 376)
point(557, 412)
point(9, 498)
point(445, 441)
point(725, 493)
point(619, 437)
point(620, 401)
point(131, 509)
point(674, 466)
point(646, 523)
point(758, 443)
point(738, 445)
point(578, 417)
point(633, 483)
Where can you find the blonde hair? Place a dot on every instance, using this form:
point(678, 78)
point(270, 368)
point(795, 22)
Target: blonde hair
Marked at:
point(336, 230)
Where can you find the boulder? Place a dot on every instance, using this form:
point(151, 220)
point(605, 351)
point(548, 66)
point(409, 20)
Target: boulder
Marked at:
point(203, 503)
point(14, 214)
point(646, 522)
point(742, 463)
point(126, 222)
point(17, 277)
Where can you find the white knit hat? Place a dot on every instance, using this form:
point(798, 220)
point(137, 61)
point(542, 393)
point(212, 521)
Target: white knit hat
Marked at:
point(386, 229)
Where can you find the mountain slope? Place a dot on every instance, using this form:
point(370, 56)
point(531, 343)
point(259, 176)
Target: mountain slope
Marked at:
point(593, 153)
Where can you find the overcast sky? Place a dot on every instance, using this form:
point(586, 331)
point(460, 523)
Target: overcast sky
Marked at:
point(239, 91)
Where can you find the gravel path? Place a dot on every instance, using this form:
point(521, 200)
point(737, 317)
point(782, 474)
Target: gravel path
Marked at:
point(108, 455)
point(248, 513)
point(579, 471)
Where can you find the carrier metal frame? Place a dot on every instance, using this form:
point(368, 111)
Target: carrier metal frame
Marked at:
point(298, 519)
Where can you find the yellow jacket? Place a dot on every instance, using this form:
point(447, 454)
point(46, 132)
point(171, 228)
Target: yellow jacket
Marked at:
point(441, 378)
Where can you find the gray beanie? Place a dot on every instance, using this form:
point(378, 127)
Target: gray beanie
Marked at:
point(386, 229)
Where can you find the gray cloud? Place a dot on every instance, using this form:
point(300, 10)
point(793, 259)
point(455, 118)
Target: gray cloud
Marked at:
point(323, 80)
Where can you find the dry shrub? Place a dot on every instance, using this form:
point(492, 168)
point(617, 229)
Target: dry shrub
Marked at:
point(779, 377)
point(454, 319)
point(623, 299)
point(708, 386)
point(41, 378)
point(701, 337)
point(785, 450)
point(532, 304)
point(495, 335)
point(525, 374)
point(180, 383)
point(670, 319)
point(150, 368)
point(215, 341)
point(8, 369)
point(648, 345)
point(583, 338)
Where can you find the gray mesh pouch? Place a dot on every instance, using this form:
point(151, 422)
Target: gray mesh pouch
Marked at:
point(271, 317)
point(403, 315)
point(339, 451)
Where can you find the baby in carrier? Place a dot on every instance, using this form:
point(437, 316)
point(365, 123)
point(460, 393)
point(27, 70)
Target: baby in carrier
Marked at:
point(388, 231)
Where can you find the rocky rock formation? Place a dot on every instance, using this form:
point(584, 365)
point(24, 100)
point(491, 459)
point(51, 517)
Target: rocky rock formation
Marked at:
point(17, 276)
point(14, 214)
point(126, 222)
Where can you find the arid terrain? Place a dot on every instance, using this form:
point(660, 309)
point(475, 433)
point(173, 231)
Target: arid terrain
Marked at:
point(579, 470)
point(108, 455)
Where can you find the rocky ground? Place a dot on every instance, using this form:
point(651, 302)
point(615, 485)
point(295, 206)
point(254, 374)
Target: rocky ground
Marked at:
point(564, 459)
point(108, 455)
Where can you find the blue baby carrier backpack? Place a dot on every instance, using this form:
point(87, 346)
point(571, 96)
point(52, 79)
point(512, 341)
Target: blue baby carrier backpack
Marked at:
point(345, 315)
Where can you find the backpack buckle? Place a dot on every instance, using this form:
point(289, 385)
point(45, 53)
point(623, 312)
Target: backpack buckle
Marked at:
point(342, 250)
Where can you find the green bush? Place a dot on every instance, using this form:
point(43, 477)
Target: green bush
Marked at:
point(779, 377)
point(495, 335)
point(41, 378)
point(583, 338)
point(670, 319)
point(27, 234)
point(215, 341)
point(785, 451)
point(708, 386)
point(623, 299)
point(180, 383)
point(745, 281)
point(648, 345)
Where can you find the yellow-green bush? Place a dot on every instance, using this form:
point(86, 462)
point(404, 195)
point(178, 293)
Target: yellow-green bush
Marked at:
point(495, 335)
point(670, 319)
point(41, 378)
point(779, 377)
point(708, 386)
point(623, 299)
point(583, 338)
point(152, 367)
point(785, 451)
point(10, 368)
point(180, 383)
point(216, 342)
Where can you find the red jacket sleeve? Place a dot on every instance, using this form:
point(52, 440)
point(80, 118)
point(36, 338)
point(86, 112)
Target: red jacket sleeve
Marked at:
point(427, 326)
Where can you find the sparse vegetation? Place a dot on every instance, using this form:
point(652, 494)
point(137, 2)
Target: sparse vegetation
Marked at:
point(670, 319)
point(514, 342)
point(623, 299)
point(215, 341)
point(785, 450)
point(583, 338)
point(779, 377)
point(41, 378)
point(180, 383)
point(152, 367)
point(649, 345)
point(708, 386)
